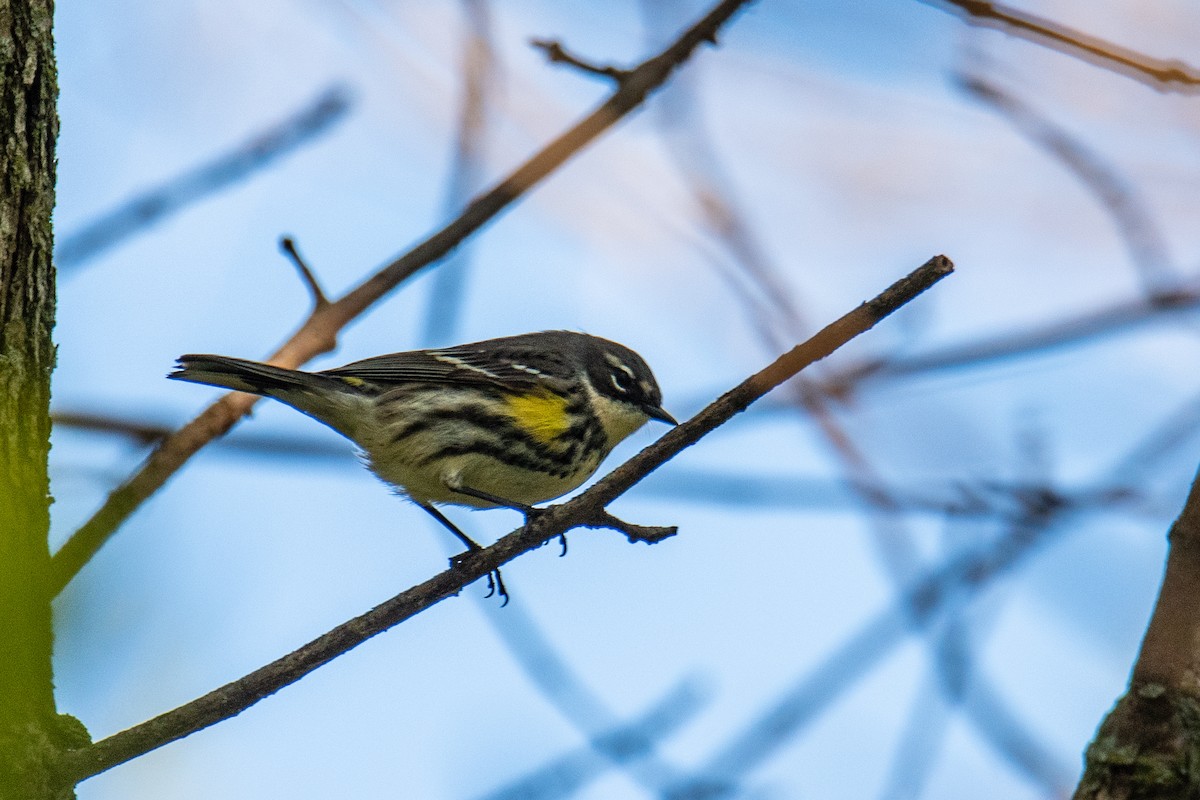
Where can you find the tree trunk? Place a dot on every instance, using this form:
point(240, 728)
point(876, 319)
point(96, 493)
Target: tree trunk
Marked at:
point(1148, 748)
point(30, 731)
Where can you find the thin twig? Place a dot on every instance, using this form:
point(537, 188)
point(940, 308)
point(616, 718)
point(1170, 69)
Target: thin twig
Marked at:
point(319, 333)
point(586, 510)
point(288, 245)
point(1161, 74)
point(557, 54)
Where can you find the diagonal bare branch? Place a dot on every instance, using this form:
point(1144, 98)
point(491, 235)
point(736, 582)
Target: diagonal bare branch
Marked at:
point(1161, 74)
point(319, 333)
point(586, 510)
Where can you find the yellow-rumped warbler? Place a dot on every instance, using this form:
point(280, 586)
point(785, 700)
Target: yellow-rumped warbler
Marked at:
point(504, 422)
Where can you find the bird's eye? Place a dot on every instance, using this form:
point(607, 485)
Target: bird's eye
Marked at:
point(620, 382)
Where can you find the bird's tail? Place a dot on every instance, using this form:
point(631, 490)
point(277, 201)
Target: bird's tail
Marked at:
point(245, 376)
point(339, 403)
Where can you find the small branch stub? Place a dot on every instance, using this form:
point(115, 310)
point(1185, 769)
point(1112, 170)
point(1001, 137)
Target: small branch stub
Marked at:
point(557, 54)
point(650, 534)
point(288, 245)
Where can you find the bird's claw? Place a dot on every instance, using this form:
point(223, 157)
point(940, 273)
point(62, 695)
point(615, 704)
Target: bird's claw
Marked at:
point(496, 587)
point(495, 581)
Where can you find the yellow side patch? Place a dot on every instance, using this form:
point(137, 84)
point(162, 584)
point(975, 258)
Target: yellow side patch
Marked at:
point(543, 415)
point(353, 381)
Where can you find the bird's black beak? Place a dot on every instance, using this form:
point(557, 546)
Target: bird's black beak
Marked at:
point(659, 413)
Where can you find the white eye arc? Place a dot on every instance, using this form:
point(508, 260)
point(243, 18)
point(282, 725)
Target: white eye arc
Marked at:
point(619, 382)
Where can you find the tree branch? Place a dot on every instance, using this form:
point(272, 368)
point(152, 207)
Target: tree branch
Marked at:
point(1161, 74)
point(586, 510)
point(319, 333)
point(288, 245)
point(557, 54)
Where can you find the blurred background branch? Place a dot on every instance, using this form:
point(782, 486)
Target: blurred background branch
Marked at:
point(319, 332)
point(151, 206)
point(896, 593)
point(1161, 74)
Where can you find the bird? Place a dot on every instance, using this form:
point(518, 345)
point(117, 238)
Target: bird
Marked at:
point(508, 422)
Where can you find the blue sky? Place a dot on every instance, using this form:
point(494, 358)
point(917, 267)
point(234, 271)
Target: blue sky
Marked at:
point(853, 156)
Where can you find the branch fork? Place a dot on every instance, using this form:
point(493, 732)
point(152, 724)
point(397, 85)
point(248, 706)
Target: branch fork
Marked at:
point(557, 54)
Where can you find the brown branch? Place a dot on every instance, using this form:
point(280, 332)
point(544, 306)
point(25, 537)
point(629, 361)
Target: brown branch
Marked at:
point(557, 54)
point(288, 245)
point(139, 431)
point(319, 333)
point(586, 510)
point(1146, 747)
point(1161, 74)
point(1169, 654)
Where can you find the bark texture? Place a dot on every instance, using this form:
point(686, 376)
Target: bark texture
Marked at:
point(1149, 745)
point(30, 731)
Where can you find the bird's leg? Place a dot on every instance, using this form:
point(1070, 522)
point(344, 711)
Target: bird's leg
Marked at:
point(450, 526)
point(495, 581)
point(531, 512)
point(504, 502)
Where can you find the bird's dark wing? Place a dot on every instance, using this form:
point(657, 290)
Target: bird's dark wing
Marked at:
point(465, 364)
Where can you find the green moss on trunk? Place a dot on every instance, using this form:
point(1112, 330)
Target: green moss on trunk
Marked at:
point(29, 727)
